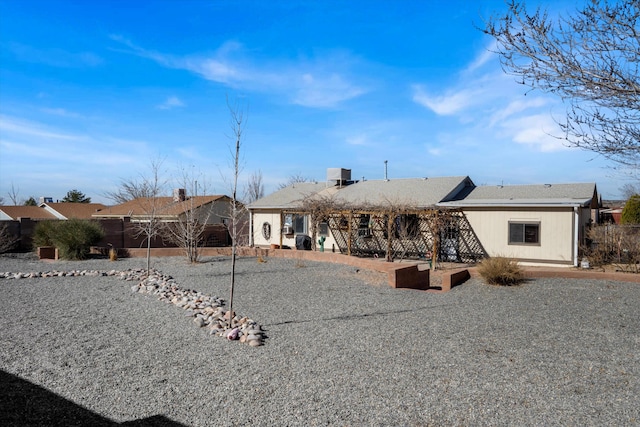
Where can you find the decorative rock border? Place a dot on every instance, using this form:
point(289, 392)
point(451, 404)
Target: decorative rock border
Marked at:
point(206, 311)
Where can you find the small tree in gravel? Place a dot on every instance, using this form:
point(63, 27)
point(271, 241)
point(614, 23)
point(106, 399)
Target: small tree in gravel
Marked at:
point(237, 128)
point(188, 230)
point(150, 226)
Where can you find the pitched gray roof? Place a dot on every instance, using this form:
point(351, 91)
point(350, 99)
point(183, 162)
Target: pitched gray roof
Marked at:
point(416, 192)
point(528, 195)
point(291, 196)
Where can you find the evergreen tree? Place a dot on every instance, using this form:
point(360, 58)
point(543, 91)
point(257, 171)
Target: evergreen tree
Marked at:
point(631, 211)
point(75, 196)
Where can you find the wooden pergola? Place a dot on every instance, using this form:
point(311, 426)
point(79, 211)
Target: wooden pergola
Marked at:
point(396, 232)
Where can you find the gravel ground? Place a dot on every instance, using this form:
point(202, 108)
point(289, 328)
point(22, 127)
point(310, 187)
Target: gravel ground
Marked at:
point(342, 349)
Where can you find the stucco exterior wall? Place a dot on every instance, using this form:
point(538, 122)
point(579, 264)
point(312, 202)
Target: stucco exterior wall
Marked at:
point(557, 229)
point(272, 217)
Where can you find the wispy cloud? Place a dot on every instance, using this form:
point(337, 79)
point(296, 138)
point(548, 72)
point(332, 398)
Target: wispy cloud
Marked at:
point(61, 112)
point(446, 104)
point(171, 102)
point(12, 125)
point(537, 130)
point(54, 57)
point(484, 97)
point(324, 81)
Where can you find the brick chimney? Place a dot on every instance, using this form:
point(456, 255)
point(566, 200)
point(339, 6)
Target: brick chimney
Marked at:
point(179, 194)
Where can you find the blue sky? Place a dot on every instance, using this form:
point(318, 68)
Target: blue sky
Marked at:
point(92, 92)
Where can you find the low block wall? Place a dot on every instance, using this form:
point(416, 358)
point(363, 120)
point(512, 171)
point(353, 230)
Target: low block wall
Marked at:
point(409, 277)
point(449, 280)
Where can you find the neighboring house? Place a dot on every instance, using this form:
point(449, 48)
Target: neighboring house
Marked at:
point(534, 223)
point(14, 213)
point(72, 210)
point(210, 209)
point(119, 221)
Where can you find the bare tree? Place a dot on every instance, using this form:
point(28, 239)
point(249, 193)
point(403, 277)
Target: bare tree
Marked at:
point(629, 190)
point(591, 60)
point(293, 179)
point(255, 188)
point(188, 230)
point(131, 189)
point(13, 195)
point(237, 124)
point(150, 225)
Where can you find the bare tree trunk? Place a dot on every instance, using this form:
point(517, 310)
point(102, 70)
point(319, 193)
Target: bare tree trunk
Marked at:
point(148, 255)
point(237, 123)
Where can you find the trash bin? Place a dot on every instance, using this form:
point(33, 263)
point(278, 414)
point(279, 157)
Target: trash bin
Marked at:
point(303, 242)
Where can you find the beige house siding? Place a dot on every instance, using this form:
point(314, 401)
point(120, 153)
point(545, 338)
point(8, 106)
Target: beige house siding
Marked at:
point(491, 225)
point(259, 217)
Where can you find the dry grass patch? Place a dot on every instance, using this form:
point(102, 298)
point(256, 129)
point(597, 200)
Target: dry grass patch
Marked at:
point(500, 271)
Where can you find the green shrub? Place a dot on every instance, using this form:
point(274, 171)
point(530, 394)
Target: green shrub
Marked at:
point(43, 232)
point(500, 271)
point(73, 237)
point(631, 211)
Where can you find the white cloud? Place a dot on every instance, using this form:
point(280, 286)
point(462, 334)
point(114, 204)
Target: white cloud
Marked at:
point(434, 151)
point(322, 82)
point(325, 91)
point(538, 131)
point(61, 112)
point(486, 55)
point(517, 106)
point(360, 139)
point(171, 102)
point(445, 105)
point(12, 125)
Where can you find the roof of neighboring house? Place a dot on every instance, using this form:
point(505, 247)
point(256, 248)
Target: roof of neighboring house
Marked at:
point(33, 212)
point(416, 192)
point(165, 206)
point(73, 210)
point(579, 194)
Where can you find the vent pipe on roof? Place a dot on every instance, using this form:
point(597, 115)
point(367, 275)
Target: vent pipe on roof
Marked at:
point(386, 178)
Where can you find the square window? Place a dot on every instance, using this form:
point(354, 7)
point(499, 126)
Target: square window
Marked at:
point(524, 233)
point(300, 224)
point(323, 229)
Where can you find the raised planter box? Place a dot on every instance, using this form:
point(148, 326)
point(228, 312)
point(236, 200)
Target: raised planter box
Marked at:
point(48, 252)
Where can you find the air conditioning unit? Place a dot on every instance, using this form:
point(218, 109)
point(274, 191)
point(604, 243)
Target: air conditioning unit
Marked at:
point(287, 229)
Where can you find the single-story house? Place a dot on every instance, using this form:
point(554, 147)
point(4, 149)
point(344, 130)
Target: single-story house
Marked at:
point(212, 209)
point(120, 220)
point(448, 218)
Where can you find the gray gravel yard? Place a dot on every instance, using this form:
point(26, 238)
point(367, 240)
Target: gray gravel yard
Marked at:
point(343, 348)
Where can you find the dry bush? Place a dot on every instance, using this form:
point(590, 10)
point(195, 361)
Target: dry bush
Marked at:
point(500, 271)
point(617, 245)
point(8, 241)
